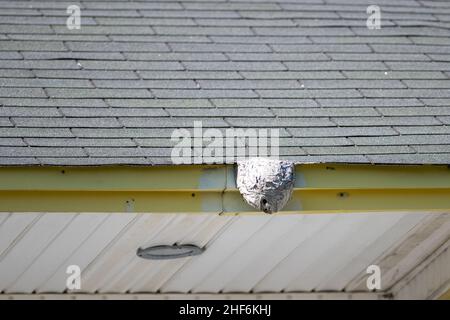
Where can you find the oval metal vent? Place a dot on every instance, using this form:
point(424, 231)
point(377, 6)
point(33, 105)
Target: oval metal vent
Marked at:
point(163, 252)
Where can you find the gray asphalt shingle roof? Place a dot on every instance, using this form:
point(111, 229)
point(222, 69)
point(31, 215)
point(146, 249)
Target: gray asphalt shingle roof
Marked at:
point(114, 91)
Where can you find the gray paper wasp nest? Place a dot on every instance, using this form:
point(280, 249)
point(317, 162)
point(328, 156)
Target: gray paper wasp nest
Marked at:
point(266, 184)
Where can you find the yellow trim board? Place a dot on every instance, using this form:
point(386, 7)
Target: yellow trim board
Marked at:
point(205, 189)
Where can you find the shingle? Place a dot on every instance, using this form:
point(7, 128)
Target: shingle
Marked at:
point(436, 102)
point(42, 151)
point(218, 47)
point(342, 132)
point(308, 141)
point(116, 152)
point(92, 161)
point(404, 48)
point(231, 6)
point(189, 74)
point(98, 93)
point(401, 31)
point(445, 120)
point(361, 40)
point(445, 84)
point(433, 149)
point(264, 103)
point(189, 14)
point(121, 133)
point(198, 94)
point(94, 13)
point(12, 28)
point(406, 93)
point(430, 40)
point(47, 83)
point(287, 14)
point(415, 111)
point(378, 57)
point(245, 22)
point(36, 20)
point(10, 55)
point(339, 83)
point(4, 122)
point(321, 48)
point(234, 66)
point(325, 112)
point(35, 132)
point(45, 55)
point(372, 102)
point(219, 112)
point(146, 84)
point(416, 66)
point(335, 22)
point(19, 73)
point(299, 31)
point(7, 161)
point(105, 30)
point(147, 21)
point(131, 65)
point(248, 84)
point(277, 56)
point(133, 5)
point(401, 140)
point(280, 122)
point(442, 129)
point(175, 56)
point(352, 150)
point(113, 112)
point(143, 122)
point(85, 74)
point(385, 121)
point(38, 64)
point(295, 75)
point(401, 75)
point(259, 39)
point(117, 46)
point(79, 142)
point(11, 142)
point(410, 158)
point(303, 93)
point(67, 122)
point(22, 93)
point(58, 37)
point(158, 103)
point(29, 112)
point(31, 46)
point(28, 102)
point(328, 159)
point(336, 65)
point(198, 31)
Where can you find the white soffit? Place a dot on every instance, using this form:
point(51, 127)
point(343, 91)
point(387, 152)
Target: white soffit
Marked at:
point(244, 254)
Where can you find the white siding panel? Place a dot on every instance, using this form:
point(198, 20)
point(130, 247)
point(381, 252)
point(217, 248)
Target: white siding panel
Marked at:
point(88, 251)
point(30, 246)
point(153, 280)
point(192, 274)
point(12, 228)
point(137, 268)
point(301, 228)
point(252, 248)
point(106, 267)
point(61, 248)
point(309, 251)
point(368, 256)
point(342, 251)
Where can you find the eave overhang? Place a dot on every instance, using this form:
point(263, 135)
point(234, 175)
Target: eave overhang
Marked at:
point(319, 188)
